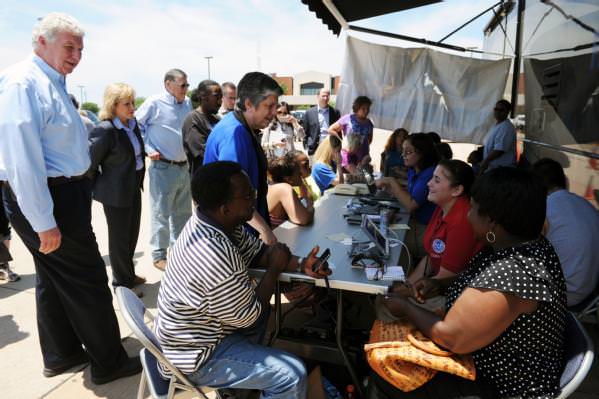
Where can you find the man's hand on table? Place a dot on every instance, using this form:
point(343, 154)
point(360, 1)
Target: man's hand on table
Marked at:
point(278, 256)
point(308, 264)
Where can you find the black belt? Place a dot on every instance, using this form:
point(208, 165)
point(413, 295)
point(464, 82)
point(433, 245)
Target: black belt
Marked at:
point(60, 180)
point(178, 163)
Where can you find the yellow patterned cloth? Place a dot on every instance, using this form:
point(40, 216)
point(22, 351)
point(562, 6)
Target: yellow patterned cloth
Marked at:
point(407, 367)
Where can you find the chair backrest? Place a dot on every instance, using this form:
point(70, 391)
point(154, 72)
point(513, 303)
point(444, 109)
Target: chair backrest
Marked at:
point(578, 356)
point(133, 311)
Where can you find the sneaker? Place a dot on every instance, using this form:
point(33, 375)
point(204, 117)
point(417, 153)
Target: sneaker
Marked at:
point(130, 367)
point(76, 360)
point(160, 264)
point(7, 274)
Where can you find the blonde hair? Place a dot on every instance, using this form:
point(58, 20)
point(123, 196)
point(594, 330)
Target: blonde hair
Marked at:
point(324, 152)
point(54, 23)
point(114, 93)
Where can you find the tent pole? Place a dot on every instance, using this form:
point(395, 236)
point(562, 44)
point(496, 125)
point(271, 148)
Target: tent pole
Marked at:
point(517, 56)
point(471, 20)
point(410, 39)
point(335, 12)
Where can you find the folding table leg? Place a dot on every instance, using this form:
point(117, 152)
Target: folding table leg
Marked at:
point(339, 336)
point(278, 320)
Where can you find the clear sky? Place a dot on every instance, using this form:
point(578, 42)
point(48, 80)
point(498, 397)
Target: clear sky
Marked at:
point(136, 41)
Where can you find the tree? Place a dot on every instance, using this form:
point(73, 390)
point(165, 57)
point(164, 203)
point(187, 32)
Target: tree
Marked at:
point(283, 87)
point(139, 101)
point(89, 106)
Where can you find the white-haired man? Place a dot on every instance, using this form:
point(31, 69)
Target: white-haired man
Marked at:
point(43, 157)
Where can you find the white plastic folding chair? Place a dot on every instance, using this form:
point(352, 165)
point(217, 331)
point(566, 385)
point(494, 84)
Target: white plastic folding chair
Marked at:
point(135, 312)
point(590, 313)
point(578, 356)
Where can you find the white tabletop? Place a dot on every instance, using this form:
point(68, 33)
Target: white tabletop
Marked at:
point(328, 220)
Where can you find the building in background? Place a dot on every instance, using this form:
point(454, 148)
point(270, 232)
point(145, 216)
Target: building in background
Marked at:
point(300, 89)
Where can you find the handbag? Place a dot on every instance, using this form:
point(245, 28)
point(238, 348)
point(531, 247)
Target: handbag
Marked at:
point(407, 359)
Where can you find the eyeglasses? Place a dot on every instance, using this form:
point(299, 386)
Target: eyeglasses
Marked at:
point(408, 152)
point(183, 85)
point(282, 113)
point(216, 95)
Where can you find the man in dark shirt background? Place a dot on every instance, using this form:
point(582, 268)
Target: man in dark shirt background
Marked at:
point(199, 123)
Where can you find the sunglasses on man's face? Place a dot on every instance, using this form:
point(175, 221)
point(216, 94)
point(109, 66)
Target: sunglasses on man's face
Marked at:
point(183, 85)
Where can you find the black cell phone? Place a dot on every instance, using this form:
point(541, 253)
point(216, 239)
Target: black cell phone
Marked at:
point(322, 260)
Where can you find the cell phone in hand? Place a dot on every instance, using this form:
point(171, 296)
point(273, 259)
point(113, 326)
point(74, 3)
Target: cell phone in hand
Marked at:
point(322, 260)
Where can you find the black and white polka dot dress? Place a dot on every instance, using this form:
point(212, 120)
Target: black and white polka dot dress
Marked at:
point(526, 359)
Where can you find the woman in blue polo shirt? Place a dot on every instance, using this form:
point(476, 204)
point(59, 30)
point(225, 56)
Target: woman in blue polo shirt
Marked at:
point(421, 158)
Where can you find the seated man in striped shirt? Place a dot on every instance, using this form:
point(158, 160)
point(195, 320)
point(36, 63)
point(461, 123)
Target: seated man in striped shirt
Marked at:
point(210, 317)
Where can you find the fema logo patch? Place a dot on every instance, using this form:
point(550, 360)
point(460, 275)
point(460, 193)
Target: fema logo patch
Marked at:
point(438, 246)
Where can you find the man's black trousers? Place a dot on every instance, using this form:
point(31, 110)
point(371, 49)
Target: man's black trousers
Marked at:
point(74, 303)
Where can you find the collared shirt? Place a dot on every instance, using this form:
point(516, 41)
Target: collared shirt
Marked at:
point(222, 111)
point(139, 161)
point(502, 137)
point(42, 136)
point(449, 239)
point(324, 175)
point(206, 293)
point(573, 230)
point(418, 189)
point(161, 118)
point(323, 121)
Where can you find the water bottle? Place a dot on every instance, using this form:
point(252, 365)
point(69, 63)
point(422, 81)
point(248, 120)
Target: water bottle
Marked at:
point(384, 221)
point(369, 181)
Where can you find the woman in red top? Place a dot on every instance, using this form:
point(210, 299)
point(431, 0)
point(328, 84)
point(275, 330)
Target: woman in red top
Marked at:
point(449, 240)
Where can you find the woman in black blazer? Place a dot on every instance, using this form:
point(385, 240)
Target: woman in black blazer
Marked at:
point(117, 169)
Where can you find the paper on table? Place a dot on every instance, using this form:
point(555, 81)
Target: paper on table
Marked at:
point(339, 237)
point(399, 226)
point(287, 226)
point(394, 273)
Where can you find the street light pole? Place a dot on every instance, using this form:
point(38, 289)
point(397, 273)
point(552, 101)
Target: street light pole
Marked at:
point(208, 58)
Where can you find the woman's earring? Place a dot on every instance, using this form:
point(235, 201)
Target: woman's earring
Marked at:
point(490, 236)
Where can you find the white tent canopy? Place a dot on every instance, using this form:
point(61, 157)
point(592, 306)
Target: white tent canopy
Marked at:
point(423, 90)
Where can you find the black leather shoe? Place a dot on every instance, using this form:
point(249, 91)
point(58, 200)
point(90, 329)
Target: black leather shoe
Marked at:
point(69, 363)
point(130, 367)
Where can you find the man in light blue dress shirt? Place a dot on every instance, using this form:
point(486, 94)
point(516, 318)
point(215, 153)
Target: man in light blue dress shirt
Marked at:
point(43, 156)
point(500, 144)
point(161, 119)
point(317, 119)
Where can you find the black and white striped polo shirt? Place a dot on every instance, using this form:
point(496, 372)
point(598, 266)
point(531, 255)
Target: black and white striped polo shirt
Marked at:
point(206, 292)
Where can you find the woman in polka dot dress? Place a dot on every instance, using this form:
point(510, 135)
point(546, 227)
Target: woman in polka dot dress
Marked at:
point(507, 308)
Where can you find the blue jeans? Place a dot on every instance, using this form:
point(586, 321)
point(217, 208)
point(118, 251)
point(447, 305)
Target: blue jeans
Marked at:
point(238, 361)
point(170, 199)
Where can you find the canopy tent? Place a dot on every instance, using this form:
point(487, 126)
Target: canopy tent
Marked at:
point(422, 89)
point(356, 10)
point(337, 14)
